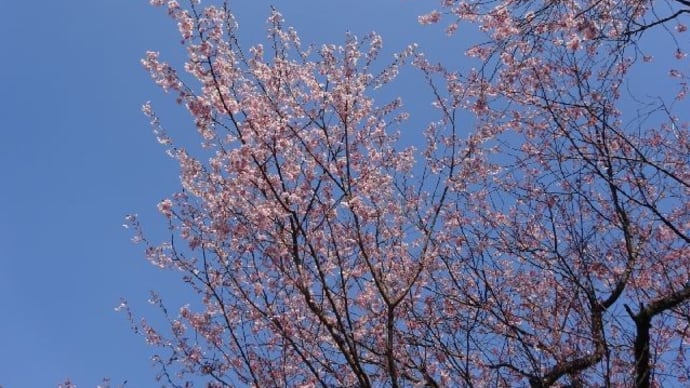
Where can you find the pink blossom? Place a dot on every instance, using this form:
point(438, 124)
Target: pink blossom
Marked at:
point(165, 207)
point(675, 73)
point(430, 18)
point(683, 92)
point(573, 44)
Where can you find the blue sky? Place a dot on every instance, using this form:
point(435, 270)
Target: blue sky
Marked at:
point(77, 155)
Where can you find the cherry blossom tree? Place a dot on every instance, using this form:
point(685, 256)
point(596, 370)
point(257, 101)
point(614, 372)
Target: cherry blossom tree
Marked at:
point(589, 214)
point(544, 241)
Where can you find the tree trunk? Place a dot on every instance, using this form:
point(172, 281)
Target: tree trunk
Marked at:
point(642, 370)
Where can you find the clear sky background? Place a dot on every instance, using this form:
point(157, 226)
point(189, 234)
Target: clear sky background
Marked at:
point(77, 155)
